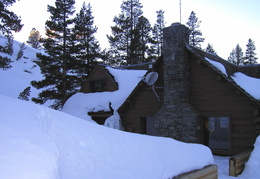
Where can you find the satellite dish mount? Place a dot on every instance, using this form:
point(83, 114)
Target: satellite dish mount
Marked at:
point(150, 79)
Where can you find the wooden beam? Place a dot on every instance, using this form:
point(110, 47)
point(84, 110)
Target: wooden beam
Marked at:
point(208, 172)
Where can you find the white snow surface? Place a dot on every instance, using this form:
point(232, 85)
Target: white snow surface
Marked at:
point(253, 164)
point(218, 65)
point(249, 84)
point(14, 80)
point(81, 103)
point(38, 142)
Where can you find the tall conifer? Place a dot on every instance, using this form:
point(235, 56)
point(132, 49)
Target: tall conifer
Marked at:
point(157, 36)
point(87, 49)
point(195, 34)
point(9, 21)
point(236, 56)
point(56, 66)
point(250, 56)
point(124, 32)
point(141, 40)
point(34, 39)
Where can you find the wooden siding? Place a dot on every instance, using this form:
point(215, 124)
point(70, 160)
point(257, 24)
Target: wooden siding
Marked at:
point(214, 96)
point(142, 103)
point(99, 73)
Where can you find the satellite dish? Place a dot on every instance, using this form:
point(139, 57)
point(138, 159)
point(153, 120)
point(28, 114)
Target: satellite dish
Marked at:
point(151, 78)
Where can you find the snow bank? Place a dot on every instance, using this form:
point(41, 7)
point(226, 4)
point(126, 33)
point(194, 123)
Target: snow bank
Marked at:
point(249, 84)
point(81, 103)
point(253, 165)
point(38, 142)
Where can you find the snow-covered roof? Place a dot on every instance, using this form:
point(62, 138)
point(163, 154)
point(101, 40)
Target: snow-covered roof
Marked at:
point(236, 75)
point(81, 104)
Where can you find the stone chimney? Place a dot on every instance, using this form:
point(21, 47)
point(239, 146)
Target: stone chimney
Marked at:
point(177, 118)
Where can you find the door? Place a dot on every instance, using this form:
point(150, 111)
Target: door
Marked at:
point(147, 125)
point(219, 133)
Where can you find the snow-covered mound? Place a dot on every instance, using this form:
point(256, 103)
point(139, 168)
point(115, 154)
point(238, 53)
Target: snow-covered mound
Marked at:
point(253, 165)
point(14, 80)
point(38, 142)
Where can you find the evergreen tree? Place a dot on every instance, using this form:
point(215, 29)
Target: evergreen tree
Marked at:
point(9, 49)
point(56, 66)
point(236, 56)
point(210, 49)
point(157, 36)
point(250, 56)
point(141, 40)
point(124, 32)
point(5, 63)
point(34, 39)
point(87, 48)
point(24, 95)
point(21, 51)
point(195, 34)
point(9, 21)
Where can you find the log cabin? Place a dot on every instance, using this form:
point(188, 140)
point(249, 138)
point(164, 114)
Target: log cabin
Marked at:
point(196, 97)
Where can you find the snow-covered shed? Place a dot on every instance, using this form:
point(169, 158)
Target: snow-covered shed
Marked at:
point(198, 97)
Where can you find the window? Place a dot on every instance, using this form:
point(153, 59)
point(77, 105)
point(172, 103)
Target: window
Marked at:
point(98, 86)
point(219, 129)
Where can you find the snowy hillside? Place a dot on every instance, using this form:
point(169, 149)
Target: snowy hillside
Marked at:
point(14, 80)
point(38, 142)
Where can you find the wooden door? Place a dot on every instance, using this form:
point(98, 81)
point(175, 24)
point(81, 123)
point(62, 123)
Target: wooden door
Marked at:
point(219, 129)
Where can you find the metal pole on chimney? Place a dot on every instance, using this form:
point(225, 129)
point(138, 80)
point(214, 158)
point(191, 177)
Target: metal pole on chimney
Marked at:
point(180, 11)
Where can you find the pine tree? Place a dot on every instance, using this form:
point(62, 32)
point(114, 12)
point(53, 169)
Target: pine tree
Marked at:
point(236, 56)
point(210, 49)
point(5, 63)
point(195, 34)
point(141, 40)
point(21, 51)
point(58, 82)
point(250, 56)
point(34, 39)
point(9, 49)
point(157, 36)
point(9, 21)
point(124, 32)
point(24, 95)
point(87, 48)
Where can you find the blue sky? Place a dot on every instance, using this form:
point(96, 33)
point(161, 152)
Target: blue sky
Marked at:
point(225, 23)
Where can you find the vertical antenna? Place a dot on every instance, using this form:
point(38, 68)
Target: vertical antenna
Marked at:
point(180, 11)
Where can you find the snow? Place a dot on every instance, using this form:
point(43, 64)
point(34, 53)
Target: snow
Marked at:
point(249, 84)
point(223, 167)
point(81, 103)
point(38, 142)
point(14, 80)
point(114, 122)
point(252, 166)
point(218, 65)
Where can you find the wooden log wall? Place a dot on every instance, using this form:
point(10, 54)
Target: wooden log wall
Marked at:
point(213, 96)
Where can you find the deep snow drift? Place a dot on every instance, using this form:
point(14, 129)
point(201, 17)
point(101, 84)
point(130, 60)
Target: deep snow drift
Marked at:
point(38, 142)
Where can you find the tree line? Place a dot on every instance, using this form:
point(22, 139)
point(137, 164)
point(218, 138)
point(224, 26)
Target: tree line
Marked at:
point(72, 50)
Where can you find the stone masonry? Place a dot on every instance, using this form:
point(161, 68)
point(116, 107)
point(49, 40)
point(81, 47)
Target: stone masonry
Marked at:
point(177, 119)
